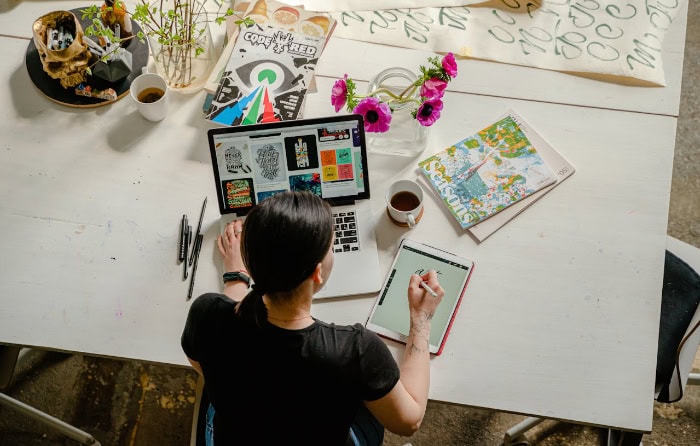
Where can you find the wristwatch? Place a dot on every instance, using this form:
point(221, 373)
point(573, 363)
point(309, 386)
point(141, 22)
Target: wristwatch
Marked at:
point(237, 276)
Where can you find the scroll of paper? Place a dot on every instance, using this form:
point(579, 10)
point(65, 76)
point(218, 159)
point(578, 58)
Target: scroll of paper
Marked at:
point(618, 39)
point(361, 5)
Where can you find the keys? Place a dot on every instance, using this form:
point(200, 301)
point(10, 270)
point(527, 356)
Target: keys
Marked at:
point(346, 234)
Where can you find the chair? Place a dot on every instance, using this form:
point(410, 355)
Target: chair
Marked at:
point(10, 356)
point(679, 338)
point(199, 420)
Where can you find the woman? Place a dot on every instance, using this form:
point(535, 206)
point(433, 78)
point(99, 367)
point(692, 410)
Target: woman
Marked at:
point(276, 375)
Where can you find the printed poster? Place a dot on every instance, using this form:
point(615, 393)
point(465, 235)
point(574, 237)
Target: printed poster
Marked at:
point(267, 77)
point(269, 167)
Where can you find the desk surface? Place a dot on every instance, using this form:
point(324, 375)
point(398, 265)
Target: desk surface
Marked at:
point(564, 300)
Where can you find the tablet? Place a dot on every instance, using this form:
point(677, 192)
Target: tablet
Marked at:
point(390, 315)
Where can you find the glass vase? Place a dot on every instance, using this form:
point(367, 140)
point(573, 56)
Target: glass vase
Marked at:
point(186, 66)
point(406, 136)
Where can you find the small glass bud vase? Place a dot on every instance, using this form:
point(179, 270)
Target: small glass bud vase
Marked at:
point(186, 66)
point(406, 136)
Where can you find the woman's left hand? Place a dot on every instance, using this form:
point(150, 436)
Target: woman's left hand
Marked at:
point(230, 246)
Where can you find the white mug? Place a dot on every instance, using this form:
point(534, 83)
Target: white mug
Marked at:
point(404, 202)
point(150, 93)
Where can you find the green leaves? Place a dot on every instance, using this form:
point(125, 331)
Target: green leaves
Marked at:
point(177, 25)
point(352, 100)
point(89, 12)
point(435, 70)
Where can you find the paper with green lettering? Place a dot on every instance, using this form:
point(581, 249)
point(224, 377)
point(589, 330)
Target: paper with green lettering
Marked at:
point(621, 41)
point(483, 174)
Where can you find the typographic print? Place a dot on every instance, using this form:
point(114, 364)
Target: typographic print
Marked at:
point(327, 157)
point(330, 173)
point(337, 165)
point(238, 194)
point(301, 152)
point(620, 39)
point(343, 156)
point(237, 159)
point(268, 162)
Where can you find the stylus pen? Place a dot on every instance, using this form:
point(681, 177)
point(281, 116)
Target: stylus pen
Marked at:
point(195, 247)
point(195, 253)
point(428, 289)
point(199, 227)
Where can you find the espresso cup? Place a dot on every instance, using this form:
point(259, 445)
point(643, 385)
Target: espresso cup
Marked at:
point(150, 93)
point(404, 203)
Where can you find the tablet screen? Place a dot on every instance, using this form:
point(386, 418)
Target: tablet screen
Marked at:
point(391, 311)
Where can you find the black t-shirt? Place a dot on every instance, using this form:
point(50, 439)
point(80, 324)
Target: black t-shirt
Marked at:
point(270, 385)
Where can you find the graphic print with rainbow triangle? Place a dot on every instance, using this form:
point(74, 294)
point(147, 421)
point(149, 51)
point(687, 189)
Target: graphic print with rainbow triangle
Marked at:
point(264, 83)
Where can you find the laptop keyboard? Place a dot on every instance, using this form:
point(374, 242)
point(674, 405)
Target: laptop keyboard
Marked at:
point(346, 238)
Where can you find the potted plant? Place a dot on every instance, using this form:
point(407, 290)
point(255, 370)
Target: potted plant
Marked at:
point(177, 31)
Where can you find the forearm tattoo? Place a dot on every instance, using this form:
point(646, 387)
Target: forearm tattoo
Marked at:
point(419, 334)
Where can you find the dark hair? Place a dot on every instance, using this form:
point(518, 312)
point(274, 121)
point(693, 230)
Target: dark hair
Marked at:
point(284, 238)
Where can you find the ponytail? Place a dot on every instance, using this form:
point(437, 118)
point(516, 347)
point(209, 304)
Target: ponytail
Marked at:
point(252, 308)
point(288, 225)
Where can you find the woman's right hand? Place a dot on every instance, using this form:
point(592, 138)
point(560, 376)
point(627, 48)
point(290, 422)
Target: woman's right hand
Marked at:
point(420, 301)
point(402, 410)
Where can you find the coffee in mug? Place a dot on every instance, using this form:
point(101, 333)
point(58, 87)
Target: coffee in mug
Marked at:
point(151, 94)
point(404, 200)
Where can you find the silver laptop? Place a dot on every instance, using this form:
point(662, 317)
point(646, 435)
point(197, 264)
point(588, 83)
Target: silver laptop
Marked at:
point(325, 156)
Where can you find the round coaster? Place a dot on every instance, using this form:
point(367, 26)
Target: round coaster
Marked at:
point(52, 88)
point(404, 224)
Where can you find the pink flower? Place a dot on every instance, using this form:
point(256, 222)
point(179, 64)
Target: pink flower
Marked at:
point(429, 112)
point(433, 88)
point(377, 114)
point(339, 93)
point(450, 65)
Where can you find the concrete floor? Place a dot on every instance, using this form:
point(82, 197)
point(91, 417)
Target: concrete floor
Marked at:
point(138, 404)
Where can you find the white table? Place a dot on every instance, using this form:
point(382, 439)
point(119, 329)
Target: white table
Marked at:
point(563, 304)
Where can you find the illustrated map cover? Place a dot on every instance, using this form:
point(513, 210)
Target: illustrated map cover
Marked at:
point(557, 163)
point(485, 173)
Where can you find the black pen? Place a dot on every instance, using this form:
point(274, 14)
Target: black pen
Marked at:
point(195, 247)
point(199, 228)
point(183, 238)
point(188, 236)
point(195, 254)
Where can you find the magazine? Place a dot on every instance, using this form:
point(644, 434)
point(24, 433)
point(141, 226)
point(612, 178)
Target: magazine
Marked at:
point(267, 77)
point(483, 174)
point(268, 13)
point(562, 168)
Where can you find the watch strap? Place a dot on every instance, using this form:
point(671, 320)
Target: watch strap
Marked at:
point(237, 276)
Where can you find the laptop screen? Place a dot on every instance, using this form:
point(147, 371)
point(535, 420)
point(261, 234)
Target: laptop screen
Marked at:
point(325, 156)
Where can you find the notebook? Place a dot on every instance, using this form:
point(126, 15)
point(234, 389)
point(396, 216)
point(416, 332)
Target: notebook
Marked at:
point(325, 156)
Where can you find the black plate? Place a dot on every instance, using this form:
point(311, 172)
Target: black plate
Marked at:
point(53, 89)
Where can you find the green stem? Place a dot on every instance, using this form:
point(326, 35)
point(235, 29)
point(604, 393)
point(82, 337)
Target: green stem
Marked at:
point(403, 97)
point(411, 87)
